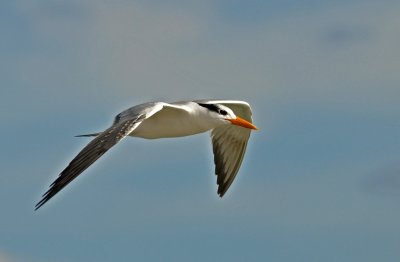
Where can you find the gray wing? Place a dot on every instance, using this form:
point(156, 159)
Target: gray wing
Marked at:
point(90, 153)
point(124, 124)
point(229, 144)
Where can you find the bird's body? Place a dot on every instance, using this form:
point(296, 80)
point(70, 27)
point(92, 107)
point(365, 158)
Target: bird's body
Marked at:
point(173, 121)
point(229, 120)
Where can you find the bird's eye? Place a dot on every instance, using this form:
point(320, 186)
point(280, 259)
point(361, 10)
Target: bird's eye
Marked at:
point(222, 112)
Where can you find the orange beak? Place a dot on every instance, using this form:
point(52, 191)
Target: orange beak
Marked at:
point(241, 122)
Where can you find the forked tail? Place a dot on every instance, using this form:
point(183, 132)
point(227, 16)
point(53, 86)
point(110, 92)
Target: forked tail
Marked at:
point(87, 135)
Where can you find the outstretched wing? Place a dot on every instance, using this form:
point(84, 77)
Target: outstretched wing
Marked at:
point(229, 144)
point(88, 155)
point(123, 125)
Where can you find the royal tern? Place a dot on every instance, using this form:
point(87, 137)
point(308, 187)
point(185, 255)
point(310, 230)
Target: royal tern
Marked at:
point(229, 121)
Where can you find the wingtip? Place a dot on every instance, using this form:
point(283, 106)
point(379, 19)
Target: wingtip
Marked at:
point(221, 192)
point(45, 198)
point(41, 202)
point(38, 205)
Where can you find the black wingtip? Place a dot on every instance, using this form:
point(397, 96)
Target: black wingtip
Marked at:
point(42, 201)
point(39, 204)
point(45, 197)
point(221, 191)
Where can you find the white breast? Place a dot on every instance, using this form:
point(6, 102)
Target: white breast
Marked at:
point(173, 122)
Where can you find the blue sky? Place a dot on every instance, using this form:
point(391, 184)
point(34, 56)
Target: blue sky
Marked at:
point(320, 181)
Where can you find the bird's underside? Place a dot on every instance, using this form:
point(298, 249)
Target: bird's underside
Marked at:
point(229, 122)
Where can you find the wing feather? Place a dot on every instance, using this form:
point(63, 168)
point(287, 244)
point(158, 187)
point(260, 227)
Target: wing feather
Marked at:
point(124, 123)
point(89, 154)
point(229, 146)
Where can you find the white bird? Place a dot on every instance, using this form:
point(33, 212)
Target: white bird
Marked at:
point(229, 121)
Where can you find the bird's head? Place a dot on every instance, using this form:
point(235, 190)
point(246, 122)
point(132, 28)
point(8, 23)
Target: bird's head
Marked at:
point(225, 115)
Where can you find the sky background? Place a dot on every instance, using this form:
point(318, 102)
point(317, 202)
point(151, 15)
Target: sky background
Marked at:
point(320, 180)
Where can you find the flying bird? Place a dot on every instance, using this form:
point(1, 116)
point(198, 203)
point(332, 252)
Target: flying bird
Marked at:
point(229, 121)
